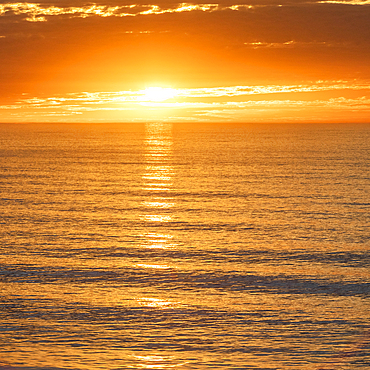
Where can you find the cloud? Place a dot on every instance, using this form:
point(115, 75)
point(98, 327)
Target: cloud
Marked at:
point(36, 12)
point(138, 96)
point(235, 91)
point(346, 2)
point(260, 44)
point(206, 102)
point(39, 13)
point(290, 44)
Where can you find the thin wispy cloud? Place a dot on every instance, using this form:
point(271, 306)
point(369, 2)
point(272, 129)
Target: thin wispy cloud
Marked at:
point(272, 89)
point(38, 13)
point(35, 12)
point(208, 103)
point(290, 44)
point(347, 2)
point(139, 96)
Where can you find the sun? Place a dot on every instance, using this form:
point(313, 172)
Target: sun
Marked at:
point(157, 94)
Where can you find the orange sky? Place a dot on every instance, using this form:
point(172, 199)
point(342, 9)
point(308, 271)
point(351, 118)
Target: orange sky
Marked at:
point(279, 61)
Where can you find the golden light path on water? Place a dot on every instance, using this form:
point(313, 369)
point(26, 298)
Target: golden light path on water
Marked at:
point(157, 182)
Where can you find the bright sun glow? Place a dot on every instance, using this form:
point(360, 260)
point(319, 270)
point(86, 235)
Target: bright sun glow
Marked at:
point(158, 94)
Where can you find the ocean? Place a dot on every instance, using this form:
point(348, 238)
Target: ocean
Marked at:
point(185, 246)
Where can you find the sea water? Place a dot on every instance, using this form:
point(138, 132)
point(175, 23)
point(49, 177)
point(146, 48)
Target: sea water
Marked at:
point(184, 246)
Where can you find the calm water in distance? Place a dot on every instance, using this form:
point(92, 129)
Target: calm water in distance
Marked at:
point(184, 246)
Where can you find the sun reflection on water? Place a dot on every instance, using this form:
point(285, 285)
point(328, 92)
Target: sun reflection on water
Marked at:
point(157, 218)
point(144, 265)
point(158, 241)
point(156, 303)
point(157, 187)
point(155, 362)
point(159, 204)
point(157, 183)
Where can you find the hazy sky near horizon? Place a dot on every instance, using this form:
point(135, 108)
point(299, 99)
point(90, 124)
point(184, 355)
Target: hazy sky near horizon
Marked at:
point(231, 60)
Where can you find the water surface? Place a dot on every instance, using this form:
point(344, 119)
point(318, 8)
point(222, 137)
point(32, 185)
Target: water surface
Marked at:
point(184, 246)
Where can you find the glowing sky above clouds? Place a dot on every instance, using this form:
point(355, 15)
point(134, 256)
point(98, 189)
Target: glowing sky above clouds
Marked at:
point(237, 61)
